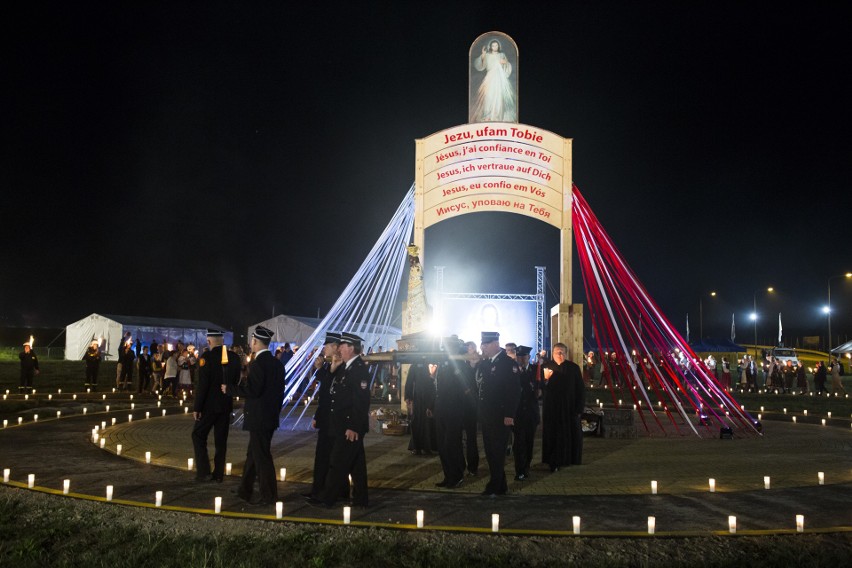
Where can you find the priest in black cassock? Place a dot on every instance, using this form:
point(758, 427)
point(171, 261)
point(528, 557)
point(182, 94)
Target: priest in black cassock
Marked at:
point(563, 401)
point(420, 403)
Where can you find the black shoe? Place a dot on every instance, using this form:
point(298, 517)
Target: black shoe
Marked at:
point(455, 485)
point(443, 483)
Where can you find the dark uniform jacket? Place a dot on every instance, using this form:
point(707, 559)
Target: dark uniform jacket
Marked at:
point(324, 378)
point(211, 376)
point(263, 391)
point(451, 387)
point(350, 399)
point(528, 406)
point(92, 357)
point(499, 387)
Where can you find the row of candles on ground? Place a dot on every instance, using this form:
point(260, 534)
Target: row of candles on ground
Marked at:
point(420, 515)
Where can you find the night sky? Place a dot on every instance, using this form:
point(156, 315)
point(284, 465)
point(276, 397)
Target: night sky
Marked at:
point(221, 161)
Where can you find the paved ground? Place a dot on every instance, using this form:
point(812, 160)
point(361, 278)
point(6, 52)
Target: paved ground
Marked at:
point(610, 492)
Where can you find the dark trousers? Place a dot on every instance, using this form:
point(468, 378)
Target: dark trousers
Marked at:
point(259, 466)
point(144, 381)
point(126, 376)
point(469, 426)
point(322, 459)
point(495, 435)
point(91, 376)
point(219, 422)
point(26, 381)
point(449, 429)
point(522, 449)
point(346, 457)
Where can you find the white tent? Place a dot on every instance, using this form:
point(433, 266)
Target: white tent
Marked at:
point(295, 330)
point(842, 349)
point(79, 335)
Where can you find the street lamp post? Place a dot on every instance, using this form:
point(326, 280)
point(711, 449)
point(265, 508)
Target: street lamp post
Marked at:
point(701, 315)
point(828, 307)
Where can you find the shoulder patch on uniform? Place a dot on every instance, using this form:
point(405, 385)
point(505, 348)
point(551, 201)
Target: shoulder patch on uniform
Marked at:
point(202, 361)
point(363, 384)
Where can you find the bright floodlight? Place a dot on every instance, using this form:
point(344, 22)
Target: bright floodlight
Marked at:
point(752, 316)
point(826, 310)
point(770, 289)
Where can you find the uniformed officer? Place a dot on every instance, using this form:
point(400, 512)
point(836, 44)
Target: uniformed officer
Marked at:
point(527, 417)
point(212, 407)
point(92, 357)
point(29, 368)
point(320, 422)
point(349, 420)
point(449, 414)
point(499, 391)
point(264, 394)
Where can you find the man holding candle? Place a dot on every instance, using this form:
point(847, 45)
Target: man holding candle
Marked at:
point(562, 406)
point(92, 357)
point(212, 407)
point(264, 394)
point(29, 368)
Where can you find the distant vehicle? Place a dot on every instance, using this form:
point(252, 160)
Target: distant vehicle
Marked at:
point(784, 354)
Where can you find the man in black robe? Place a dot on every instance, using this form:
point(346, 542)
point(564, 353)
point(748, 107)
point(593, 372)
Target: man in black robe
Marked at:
point(420, 403)
point(29, 368)
point(562, 405)
point(449, 415)
point(527, 416)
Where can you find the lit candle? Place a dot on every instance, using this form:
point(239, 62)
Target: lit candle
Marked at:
point(147, 415)
point(5, 423)
point(107, 408)
point(147, 457)
point(50, 397)
point(26, 397)
point(794, 420)
point(189, 463)
point(158, 499)
point(59, 414)
point(821, 477)
point(785, 411)
point(186, 410)
point(131, 397)
point(228, 468)
point(805, 411)
point(103, 442)
point(732, 524)
point(652, 525)
point(390, 397)
point(59, 391)
point(164, 412)
point(158, 404)
point(653, 487)
point(103, 425)
point(495, 522)
point(800, 523)
point(761, 409)
point(132, 406)
point(130, 418)
point(712, 485)
point(759, 416)
point(279, 509)
point(31, 480)
point(823, 421)
point(420, 518)
point(35, 417)
point(601, 404)
point(103, 397)
point(109, 493)
point(576, 523)
point(766, 482)
point(217, 505)
point(20, 419)
point(118, 449)
point(113, 421)
point(6, 473)
point(347, 515)
point(66, 486)
point(85, 409)
point(829, 414)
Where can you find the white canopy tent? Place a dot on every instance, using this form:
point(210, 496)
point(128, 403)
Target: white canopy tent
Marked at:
point(79, 335)
point(843, 349)
point(296, 329)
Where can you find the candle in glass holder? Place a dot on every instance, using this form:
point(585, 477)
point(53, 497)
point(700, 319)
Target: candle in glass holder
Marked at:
point(821, 477)
point(766, 482)
point(217, 505)
point(228, 467)
point(420, 518)
point(279, 509)
point(652, 525)
point(158, 499)
point(130, 418)
point(732, 524)
point(6, 473)
point(576, 524)
point(653, 488)
point(113, 421)
point(118, 449)
point(495, 522)
point(85, 409)
point(147, 457)
point(31, 480)
point(283, 473)
point(189, 463)
point(712, 485)
point(109, 492)
point(103, 442)
point(35, 417)
point(800, 523)
point(347, 515)
point(66, 486)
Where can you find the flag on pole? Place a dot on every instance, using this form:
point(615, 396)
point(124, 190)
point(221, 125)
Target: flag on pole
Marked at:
point(779, 328)
point(733, 328)
point(687, 327)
